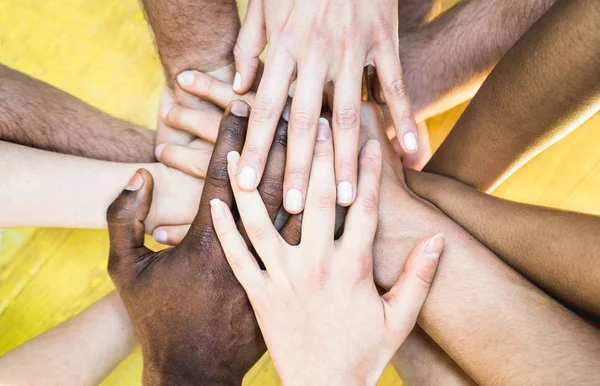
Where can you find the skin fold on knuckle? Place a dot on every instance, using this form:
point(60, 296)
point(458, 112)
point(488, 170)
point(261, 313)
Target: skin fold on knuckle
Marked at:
point(396, 91)
point(301, 124)
point(369, 203)
point(347, 119)
point(324, 200)
point(262, 111)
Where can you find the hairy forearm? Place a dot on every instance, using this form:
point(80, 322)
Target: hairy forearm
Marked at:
point(476, 300)
point(544, 87)
point(193, 34)
point(41, 188)
point(81, 351)
point(35, 114)
point(420, 361)
point(446, 61)
point(555, 249)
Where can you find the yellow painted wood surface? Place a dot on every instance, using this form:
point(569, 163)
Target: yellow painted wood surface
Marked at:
point(102, 52)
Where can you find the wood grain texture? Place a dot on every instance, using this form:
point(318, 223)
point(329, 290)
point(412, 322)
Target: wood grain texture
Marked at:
point(102, 52)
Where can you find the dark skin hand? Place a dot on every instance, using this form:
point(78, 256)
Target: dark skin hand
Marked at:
point(191, 316)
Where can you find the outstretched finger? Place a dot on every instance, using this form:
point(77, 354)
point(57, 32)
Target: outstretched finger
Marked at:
point(251, 42)
point(406, 298)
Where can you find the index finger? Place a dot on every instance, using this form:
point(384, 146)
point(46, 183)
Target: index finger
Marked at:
point(268, 105)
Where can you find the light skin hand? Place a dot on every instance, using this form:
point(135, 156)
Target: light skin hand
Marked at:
point(316, 303)
point(322, 41)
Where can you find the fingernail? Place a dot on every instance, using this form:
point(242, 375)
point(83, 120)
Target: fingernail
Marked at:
point(292, 89)
point(159, 150)
point(186, 78)
point(372, 148)
point(286, 113)
point(293, 201)
point(217, 208)
point(247, 178)
point(345, 193)
point(323, 131)
point(160, 236)
point(237, 81)
point(233, 158)
point(240, 109)
point(410, 141)
point(434, 248)
point(135, 183)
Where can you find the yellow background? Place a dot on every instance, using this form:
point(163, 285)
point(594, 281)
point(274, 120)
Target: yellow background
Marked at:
point(102, 52)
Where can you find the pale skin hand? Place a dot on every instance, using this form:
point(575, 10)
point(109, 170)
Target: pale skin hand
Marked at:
point(321, 41)
point(316, 303)
point(58, 190)
point(76, 352)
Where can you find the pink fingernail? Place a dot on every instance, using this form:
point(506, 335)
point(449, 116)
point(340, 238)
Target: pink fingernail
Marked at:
point(136, 182)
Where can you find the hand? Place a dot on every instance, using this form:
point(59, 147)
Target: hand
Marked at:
point(317, 304)
point(179, 124)
point(174, 204)
point(191, 316)
point(325, 41)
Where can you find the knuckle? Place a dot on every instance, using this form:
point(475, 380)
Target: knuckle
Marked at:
point(301, 123)
point(262, 111)
point(297, 173)
point(397, 89)
point(217, 175)
point(256, 232)
point(361, 268)
point(325, 200)
point(293, 230)
point(270, 191)
point(370, 203)
point(347, 119)
point(323, 152)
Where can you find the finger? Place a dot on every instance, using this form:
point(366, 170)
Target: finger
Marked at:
point(271, 185)
point(207, 87)
point(304, 116)
point(232, 133)
point(203, 124)
point(165, 133)
point(268, 105)
point(186, 159)
point(406, 298)
point(363, 215)
point(389, 72)
point(170, 235)
point(251, 42)
point(418, 160)
point(346, 129)
point(319, 215)
point(257, 223)
point(238, 256)
point(125, 217)
point(291, 232)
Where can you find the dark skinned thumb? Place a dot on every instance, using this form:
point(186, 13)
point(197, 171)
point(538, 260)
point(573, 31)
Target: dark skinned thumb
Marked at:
point(125, 217)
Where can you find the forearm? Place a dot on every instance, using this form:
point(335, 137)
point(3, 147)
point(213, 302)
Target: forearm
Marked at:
point(35, 114)
point(41, 188)
point(544, 87)
point(81, 351)
point(446, 61)
point(477, 300)
point(555, 249)
point(420, 361)
point(193, 34)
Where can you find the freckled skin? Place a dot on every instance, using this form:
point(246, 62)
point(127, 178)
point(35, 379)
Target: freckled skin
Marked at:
point(191, 316)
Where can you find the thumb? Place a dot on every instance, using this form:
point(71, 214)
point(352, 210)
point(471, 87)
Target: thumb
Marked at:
point(406, 298)
point(251, 42)
point(125, 217)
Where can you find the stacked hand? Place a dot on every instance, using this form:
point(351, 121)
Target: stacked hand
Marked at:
point(318, 41)
point(316, 303)
point(191, 316)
